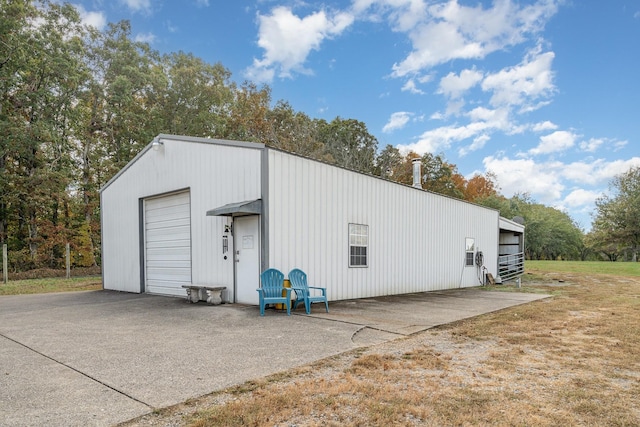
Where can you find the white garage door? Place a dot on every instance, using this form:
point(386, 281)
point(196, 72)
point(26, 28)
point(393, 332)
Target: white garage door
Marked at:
point(167, 225)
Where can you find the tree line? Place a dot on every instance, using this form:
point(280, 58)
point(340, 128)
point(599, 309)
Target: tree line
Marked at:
point(77, 104)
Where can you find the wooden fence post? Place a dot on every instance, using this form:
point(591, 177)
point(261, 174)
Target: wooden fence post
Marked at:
point(5, 264)
point(68, 261)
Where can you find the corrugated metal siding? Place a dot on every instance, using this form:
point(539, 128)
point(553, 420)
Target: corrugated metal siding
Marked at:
point(214, 174)
point(510, 243)
point(511, 237)
point(416, 239)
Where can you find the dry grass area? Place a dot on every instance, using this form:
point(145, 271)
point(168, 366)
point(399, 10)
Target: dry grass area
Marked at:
point(51, 284)
point(570, 360)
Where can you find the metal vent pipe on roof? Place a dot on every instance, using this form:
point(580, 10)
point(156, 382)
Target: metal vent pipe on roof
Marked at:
point(417, 173)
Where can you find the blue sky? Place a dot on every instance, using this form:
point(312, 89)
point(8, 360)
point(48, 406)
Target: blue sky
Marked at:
point(545, 94)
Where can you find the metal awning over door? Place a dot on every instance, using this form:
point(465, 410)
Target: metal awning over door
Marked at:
point(248, 207)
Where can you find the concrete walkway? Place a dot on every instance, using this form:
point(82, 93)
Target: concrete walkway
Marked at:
point(99, 358)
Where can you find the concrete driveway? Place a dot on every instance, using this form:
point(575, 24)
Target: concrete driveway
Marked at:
point(99, 358)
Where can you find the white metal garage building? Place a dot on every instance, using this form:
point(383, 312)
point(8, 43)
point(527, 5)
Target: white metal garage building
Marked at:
point(213, 212)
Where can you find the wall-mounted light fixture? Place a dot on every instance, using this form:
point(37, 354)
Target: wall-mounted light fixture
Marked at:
point(157, 144)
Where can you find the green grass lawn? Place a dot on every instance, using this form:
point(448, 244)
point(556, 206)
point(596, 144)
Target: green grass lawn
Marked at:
point(584, 267)
point(35, 286)
point(40, 286)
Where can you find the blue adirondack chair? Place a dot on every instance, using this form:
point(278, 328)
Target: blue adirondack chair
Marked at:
point(271, 291)
point(306, 293)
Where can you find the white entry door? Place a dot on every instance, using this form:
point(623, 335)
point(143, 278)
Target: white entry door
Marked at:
point(246, 235)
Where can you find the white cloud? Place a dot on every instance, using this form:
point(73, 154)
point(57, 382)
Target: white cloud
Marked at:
point(441, 138)
point(137, 5)
point(484, 114)
point(426, 78)
point(557, 141)
point(407, 14)
point(544, 126)
point(547, 182)
point(450, 45)
point(511, 87)
point(592, 144)
point(94, 19)
point(607, 170)
point(170, 27)
point(478, 143)
point(541, 181)
point(145, 37)
point(581, 197)
point(519, 85)
point(618, 145)
point(259, 73)
point(360, 6)
point(483, 122)
point(410, 86)
point(583, 172)
point(455, 85)
point(454, 107)
point(527, 108)
point(397, 121)
point(202, 3)
point(596, 172)
point(287, 40)
point(445, 31)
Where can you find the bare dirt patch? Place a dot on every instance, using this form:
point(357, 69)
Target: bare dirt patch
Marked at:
point(570, 360)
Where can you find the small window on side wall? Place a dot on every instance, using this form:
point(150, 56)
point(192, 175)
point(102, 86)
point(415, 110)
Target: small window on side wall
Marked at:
point(470, 248)
point(358, 245)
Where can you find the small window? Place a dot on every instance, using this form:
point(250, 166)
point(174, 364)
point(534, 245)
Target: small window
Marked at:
point(470, 247)
point(358, 245)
